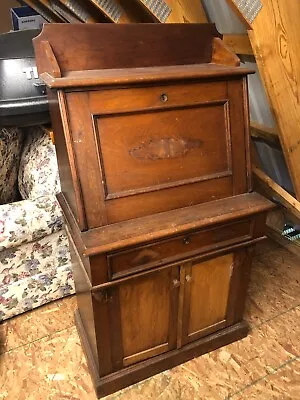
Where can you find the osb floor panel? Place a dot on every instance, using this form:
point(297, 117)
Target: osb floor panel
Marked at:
point(41, 356)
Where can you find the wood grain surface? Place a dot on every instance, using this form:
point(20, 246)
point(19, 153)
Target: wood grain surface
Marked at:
point(275, 39)
point(171, 11)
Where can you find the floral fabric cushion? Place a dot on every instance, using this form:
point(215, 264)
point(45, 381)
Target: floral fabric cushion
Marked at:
point(11, 141)
point(38, 171)
point(29, 220)
point(34, 274)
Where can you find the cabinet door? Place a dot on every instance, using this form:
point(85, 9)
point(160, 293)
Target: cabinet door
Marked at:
point(206, 293)
point(143, 314)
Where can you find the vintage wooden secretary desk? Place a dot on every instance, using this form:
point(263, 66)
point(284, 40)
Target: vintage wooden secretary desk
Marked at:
point(151, 133)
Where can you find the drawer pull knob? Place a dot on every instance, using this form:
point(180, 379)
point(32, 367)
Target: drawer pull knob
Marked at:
point(186, 240)
point(163, 97)
point(176, 283)
point(188, 278)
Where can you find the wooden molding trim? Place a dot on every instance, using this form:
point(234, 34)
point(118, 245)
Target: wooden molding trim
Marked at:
point(223, 55)
point(51, 59)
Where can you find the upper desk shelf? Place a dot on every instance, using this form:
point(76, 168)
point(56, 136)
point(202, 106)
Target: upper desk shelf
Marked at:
point(110, 77)
point(132, 54)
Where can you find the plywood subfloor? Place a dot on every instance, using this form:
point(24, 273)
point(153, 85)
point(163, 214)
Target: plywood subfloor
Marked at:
point(41, 356)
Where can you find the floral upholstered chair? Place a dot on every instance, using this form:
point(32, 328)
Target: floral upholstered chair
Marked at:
point(35, 263)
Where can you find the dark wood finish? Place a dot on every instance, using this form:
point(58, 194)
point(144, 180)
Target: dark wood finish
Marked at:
point(144, 337)
point(155, 163)
point(54, 69)
point(151, 255)
point(241, 165)
point(85, 158)
point(154, 160)
point(174, 49)
point(212, 253)
point(158, 168)
point(65, 157)
point(159, 226)
point(239, 286)
point(114, 77)
point(84, 299)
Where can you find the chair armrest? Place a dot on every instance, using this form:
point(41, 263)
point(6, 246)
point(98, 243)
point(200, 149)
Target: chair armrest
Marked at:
point(29, 220)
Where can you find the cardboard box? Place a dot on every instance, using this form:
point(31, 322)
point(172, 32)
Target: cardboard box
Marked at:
point(26, 18)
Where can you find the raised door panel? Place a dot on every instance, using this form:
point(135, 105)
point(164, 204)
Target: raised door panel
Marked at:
point(152, 151)
point(206, 293)
point(147, 308)
point(144, 150)
point(163, 148)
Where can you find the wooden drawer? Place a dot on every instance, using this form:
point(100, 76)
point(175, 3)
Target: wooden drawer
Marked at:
point(176, 248)
point(115, 101)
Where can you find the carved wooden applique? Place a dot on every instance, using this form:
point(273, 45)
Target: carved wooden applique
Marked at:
point(164, 148)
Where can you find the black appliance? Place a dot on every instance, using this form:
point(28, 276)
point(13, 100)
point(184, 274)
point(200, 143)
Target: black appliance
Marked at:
point(23, 98)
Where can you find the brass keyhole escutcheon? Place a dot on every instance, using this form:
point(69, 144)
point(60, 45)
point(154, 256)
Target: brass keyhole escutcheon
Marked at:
point(163, 97)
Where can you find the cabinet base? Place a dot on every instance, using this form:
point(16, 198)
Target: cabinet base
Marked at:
point(142, 370)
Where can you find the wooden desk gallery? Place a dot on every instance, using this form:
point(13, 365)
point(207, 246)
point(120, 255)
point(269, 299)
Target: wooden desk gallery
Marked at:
point(152, 141)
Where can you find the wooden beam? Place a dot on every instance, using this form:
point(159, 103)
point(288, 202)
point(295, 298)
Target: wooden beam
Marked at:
point(65, 12)
point(175, 11)
point(48, 5)
point(275, 224)
point(239, 44)
point(275, 40)
point(238, 13)
point(117, 11)
point(46, 13)
point(273, 190)
point(83, 11)
point(263, 132)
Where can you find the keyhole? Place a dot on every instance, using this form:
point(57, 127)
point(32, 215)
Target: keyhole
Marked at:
point(163, 97)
